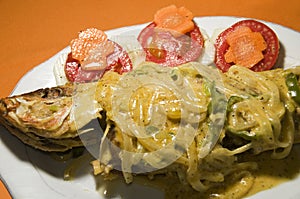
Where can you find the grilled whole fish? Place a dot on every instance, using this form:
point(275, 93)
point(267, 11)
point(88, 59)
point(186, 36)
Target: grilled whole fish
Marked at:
point(45, 118)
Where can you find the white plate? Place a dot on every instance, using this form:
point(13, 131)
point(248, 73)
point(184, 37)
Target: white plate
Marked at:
point(32, 174)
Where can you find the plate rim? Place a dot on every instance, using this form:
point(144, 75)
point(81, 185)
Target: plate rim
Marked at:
point(122, 29)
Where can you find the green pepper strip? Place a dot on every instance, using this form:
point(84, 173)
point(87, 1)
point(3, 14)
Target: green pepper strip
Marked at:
point(217, 112)
point(293, 87)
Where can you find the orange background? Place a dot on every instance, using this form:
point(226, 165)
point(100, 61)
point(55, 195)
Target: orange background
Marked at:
point(34, 30)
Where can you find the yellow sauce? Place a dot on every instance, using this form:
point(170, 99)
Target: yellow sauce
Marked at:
point(269, 174)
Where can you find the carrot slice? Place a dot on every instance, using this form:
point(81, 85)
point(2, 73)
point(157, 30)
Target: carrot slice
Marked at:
point(245, 47)
point(177, 19)
point(86, 41)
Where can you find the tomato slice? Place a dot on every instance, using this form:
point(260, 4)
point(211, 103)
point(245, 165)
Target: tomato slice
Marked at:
point(118, 61)
point(270, 54)
point(162, 47)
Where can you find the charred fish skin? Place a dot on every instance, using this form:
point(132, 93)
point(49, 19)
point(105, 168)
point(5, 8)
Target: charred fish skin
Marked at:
point(41, 118)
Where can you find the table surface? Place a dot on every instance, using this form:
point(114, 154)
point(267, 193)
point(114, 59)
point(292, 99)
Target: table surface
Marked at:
point(34, 30)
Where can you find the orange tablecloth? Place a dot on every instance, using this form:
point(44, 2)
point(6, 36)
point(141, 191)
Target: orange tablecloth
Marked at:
point(34, 30)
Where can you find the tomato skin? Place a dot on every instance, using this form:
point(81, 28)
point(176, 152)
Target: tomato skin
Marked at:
point(166, 57)
point(119, 61)
point(270, 54)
